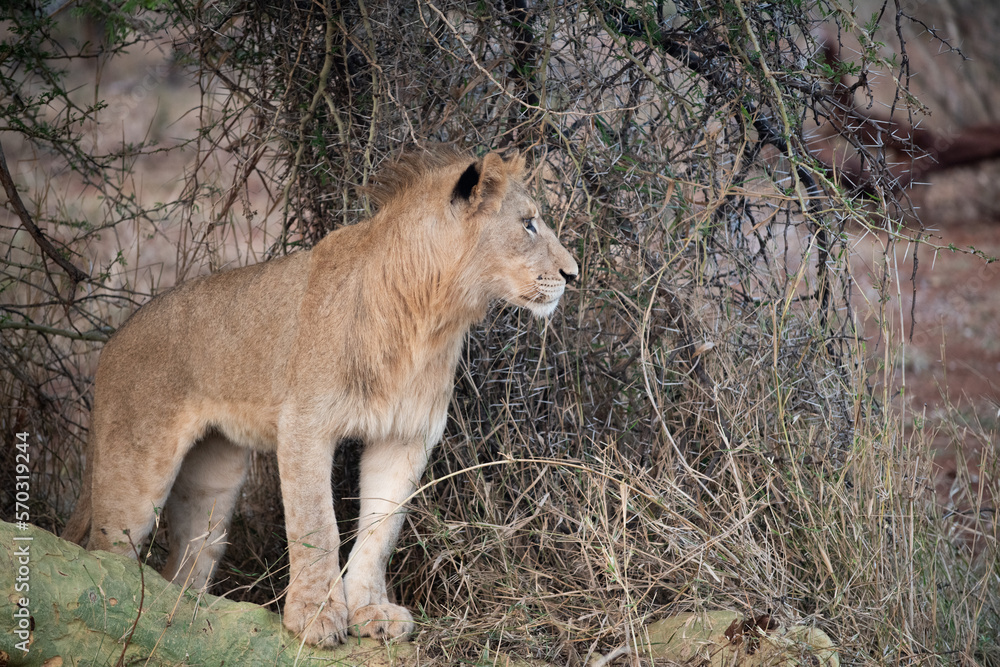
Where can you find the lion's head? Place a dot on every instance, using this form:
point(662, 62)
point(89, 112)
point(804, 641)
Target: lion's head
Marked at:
point(482, 221)
point(525, 263)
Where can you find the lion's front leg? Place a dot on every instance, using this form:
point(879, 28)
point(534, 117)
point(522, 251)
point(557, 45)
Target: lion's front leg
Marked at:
point(315, 607)
point(389, 474)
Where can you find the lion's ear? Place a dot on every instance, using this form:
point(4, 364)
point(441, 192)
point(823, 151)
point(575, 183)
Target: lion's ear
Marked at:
point(467, 182)
point(483, 184)
point(492, 184)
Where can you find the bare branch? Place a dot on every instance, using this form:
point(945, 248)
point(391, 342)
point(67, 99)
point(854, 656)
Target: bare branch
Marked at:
point(76, 274)
point(95, 336)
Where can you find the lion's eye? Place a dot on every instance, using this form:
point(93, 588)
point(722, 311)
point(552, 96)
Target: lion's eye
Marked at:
point(529, 224)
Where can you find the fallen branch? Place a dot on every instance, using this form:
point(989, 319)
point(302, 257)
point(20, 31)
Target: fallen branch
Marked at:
point(910, 153)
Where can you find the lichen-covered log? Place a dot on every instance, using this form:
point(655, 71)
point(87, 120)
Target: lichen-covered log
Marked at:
point(68, 606)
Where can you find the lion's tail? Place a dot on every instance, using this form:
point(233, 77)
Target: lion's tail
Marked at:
point(77, 529)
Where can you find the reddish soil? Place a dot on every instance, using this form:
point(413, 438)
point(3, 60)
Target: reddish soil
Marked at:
point(949, 372)
point(954, 352)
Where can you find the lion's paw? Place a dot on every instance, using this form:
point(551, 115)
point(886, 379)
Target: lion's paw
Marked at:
point(326, 626)
point(381, 620)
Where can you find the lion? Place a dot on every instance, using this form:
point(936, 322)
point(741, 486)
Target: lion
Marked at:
point(356, 338)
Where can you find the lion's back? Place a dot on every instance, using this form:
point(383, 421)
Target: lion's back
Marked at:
point(223, 334)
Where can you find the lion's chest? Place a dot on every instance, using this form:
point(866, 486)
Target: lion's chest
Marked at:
point(419, 413)
point(409, 403)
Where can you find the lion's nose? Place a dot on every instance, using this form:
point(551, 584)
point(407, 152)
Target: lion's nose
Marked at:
point(568, 277)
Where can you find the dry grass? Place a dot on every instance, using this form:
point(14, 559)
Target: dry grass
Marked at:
point(699, 427)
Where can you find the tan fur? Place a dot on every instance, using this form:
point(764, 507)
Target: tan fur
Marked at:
point(357, 338)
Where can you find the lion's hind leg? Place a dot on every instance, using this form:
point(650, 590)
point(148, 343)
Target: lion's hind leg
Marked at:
point(200, 508)
point(389, 474)
point(129, 485)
